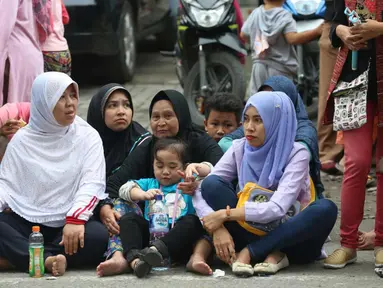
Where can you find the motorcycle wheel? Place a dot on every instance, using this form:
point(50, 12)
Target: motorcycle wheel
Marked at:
point(224, 74)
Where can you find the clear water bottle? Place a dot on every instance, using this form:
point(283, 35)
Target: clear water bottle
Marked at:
point(36, 253)
point(159, 226)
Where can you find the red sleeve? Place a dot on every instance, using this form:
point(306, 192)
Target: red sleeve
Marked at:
point(65, 14)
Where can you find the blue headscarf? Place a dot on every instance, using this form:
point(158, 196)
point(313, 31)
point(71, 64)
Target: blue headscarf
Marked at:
point(265, 165)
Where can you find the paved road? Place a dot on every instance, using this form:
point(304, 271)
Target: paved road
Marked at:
point(155, 73)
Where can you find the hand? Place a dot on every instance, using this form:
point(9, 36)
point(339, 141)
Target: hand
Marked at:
point(350, 40)
point(190, 170)
point(10, 127)
point(214, 220)
point(109, 218)
point(224, 245)
point(150, 194)
point(188, 188)
point(367, 31)
point(72, 235)
point(319, 29)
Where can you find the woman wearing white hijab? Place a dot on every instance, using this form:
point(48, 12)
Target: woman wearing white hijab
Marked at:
point(53, 176)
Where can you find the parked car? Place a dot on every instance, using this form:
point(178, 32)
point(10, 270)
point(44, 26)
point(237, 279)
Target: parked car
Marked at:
point(112, 28)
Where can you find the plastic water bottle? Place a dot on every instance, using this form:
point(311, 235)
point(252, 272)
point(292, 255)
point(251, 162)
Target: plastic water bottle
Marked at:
point(36, 253)
point(158, 226)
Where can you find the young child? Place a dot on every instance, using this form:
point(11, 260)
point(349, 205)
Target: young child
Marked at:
point(222, 115)
point(272, 33)
point(169, 169)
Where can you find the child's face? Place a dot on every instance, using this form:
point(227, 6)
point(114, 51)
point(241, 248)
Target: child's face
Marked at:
point(220, 123)
point(166, 165)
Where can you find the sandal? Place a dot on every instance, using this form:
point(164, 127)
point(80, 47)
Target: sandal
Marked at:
point(141, 269)
point(269, 268)
point(242, 270)
point(151, 256)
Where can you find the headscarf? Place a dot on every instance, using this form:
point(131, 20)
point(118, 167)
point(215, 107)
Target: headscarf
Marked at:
point(42, 10)
point(47, 164)
point(187, 130)
point(265, 164)
point(306, 131)
point(117, 145)
point(201, 146)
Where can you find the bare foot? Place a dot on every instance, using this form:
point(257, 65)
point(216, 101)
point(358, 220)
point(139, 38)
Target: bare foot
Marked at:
point(366, 240)
point(198, 265)
point(114, 266)
point(56, 265)
point(274, 258)
point(5, 265)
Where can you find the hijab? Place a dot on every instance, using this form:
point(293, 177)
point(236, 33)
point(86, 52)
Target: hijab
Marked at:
point(306, 131)
point(265, 164)
point(46, 164)
point(117, 145)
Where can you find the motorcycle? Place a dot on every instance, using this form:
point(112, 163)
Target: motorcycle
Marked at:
point(207, 60)
point(308, 15)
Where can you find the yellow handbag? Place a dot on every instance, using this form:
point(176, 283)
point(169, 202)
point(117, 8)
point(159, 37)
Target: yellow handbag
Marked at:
point(254, 193)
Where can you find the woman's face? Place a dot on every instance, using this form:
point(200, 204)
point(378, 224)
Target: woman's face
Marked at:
point(66, 108)
point(164, 121)
point(118, 112)
point(254, 129)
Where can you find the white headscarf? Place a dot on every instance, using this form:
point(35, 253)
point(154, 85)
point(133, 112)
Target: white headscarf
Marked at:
point(50, 172)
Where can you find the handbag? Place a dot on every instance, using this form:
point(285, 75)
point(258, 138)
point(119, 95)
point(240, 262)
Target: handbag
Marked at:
point(350, 103)
point(254, 193)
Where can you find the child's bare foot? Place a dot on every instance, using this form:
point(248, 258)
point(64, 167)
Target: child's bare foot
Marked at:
point(114, 266)
point(5, 265)
point(198, 264)
point(56, 265)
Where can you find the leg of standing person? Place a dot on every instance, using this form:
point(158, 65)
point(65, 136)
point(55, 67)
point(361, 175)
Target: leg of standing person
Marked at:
point(328, 150)
point(357, 150)
point(379, 201)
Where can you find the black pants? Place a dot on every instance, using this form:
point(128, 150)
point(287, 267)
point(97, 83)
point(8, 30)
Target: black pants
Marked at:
point(14, 246)
point(177, 244)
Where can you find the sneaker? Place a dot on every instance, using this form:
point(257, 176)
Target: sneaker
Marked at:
point(340, 258)
point(379, 257)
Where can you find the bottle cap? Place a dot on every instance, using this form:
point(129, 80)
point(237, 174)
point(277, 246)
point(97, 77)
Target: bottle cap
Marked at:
point(158, 197)
point(36, 229)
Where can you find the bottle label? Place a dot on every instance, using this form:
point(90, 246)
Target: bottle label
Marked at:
point(159, 222)
point(36, 262)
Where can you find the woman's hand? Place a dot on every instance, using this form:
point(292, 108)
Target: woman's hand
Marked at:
point(349, 39)
point(10, 127)
point(224, 245)
point(150, 194)
point(214, 220)
point(191, 172)
point(187, 187)
point(72, 235)
point(367, 31)
point(109, 218)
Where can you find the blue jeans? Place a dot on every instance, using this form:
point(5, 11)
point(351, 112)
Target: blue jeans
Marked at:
point(301, 237)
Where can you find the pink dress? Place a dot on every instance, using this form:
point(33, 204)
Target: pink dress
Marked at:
point(19, 43)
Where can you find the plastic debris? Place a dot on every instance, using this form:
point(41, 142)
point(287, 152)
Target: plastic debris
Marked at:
point(218, 273)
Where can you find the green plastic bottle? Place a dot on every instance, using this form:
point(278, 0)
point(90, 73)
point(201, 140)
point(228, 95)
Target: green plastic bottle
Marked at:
point(36, 253)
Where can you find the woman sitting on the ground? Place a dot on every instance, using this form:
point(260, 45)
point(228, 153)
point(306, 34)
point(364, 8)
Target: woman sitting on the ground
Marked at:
point(169, 117)
point(306, 133)
point(110, 112)
point(268, 226)
point(52, 176)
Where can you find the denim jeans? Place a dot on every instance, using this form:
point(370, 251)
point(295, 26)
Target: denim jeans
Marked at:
point(301, 237)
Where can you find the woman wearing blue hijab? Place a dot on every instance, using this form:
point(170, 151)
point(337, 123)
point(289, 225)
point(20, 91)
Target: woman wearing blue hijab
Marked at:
point(273, 220)
point(306, 132)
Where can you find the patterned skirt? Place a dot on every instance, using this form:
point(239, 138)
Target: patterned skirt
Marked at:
point(60, 61)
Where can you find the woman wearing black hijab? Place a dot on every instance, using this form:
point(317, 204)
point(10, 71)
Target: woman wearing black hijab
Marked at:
point(110, 112)
point(169, 117)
